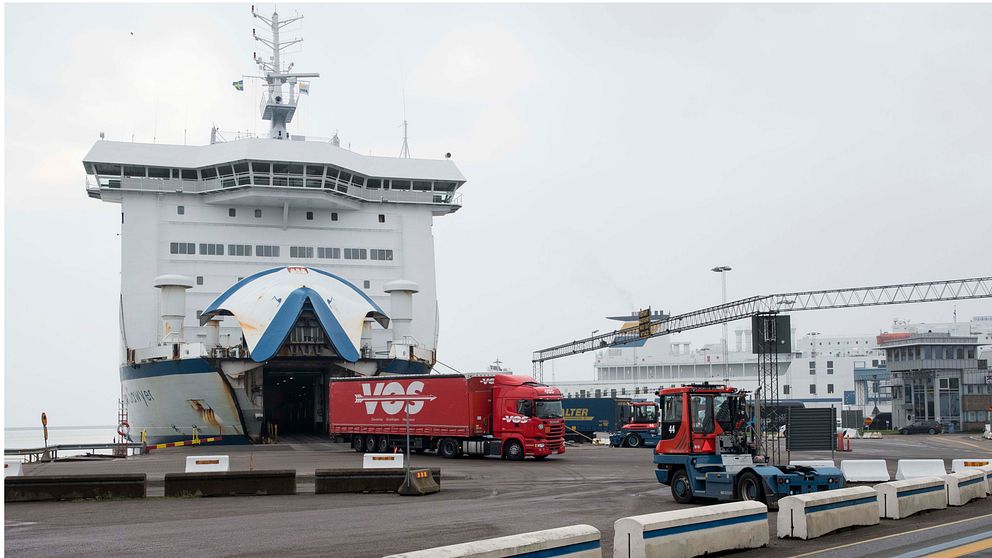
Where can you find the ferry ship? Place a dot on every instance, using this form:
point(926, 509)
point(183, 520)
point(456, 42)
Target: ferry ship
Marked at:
point(254, 270)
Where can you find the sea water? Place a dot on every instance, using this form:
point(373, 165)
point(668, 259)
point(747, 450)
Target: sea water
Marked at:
point(33, 437)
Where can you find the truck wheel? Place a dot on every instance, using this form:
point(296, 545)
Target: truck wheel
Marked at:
point(357, 443)
point(382, 444)
point(448, 448)
point(370, 442)
point(681, 487)
point(932, 431)
point(749, 487)
point(633, 441)
point(514, 451)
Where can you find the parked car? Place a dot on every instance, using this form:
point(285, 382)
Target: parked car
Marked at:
point(881, 421)
point(930, 427)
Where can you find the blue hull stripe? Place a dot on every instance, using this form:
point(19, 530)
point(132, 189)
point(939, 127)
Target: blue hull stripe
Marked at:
point(971, 482)
point(667, 531)
point(560, 551)
point(166, 368)
point(915, 491)
point(845, 504)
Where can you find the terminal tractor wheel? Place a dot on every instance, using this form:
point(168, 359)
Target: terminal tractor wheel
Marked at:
point(633, 441)
point(681, 487)
point(750, 487)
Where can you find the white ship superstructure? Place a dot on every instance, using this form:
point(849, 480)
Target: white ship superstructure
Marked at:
point(199, 222)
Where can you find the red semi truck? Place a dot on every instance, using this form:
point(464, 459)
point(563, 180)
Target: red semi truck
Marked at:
point(509, 416)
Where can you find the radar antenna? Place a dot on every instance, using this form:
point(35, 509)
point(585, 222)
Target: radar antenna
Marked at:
point(275, 107)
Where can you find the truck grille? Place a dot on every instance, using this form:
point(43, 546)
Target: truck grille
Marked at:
point(556, 430)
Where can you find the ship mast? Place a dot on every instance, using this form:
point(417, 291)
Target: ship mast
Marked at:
point(275, 107)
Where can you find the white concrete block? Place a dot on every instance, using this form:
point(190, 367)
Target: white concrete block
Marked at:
point(208, 464)
point(576, 541)
point(958, 465)
point(382, 461)
point(965, 486)
point(807, 516)
point(916, 468)
point(692, 531)
point(814, 462)
point(903, 498)
point(12, 467)
point(864, 470)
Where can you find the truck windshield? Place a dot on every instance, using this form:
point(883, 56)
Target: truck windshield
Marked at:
point(645, 413)
point(548, 409)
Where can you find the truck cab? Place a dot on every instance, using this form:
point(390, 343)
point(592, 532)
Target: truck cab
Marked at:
point(527, 417)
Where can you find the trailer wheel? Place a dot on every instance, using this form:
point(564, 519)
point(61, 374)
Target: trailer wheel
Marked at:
point(357, 443)
point(749, 487)
point(681, 487)
point(514, 451)
point(370, 442)
point(382, 444)
point(448, 448)
point(633, 441)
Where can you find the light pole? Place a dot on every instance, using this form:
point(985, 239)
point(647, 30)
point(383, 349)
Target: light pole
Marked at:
point(722, 270)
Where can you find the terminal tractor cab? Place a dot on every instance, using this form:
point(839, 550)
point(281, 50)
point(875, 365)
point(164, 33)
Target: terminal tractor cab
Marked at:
point(709, 450)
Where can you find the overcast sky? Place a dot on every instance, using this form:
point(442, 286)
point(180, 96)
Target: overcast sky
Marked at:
point(614, 154)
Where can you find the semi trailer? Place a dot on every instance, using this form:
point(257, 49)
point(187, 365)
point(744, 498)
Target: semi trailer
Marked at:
point(509, 416)
point(585, 416)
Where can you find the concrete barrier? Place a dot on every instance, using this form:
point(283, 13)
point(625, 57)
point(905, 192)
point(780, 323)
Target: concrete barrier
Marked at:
point(988, 432)
point(12, 467)
point(814, 463)
point(865, 470)
point(807, 516)
point(692, 531)
point(343, 481)
point(231, 483)
point(382, 461)
point(958, 465)
point(73, 487)
point(903, 498)
point(576, 541)
point(917, 468)
point(208, 464)
point(965, 486)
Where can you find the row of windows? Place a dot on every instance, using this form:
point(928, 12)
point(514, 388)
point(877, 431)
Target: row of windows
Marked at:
point(915, 353)
point(978, 416)
point(787, 389)
point(978, 389)
point(199, 281)
point(274, 174)
point(233, 212)
point(303, 252)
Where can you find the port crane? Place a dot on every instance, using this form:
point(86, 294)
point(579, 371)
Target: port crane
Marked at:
point(720, 457)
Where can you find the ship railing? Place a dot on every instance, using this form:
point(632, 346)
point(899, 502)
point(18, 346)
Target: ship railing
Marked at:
point(51, 453)
point(306, 183)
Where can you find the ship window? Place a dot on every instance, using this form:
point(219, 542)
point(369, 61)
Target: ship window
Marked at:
point(315, 170)
point(182, 248)
point(382, 218)
point(225, 170)
point(240, 167)
point(208, 173)
point(294, 182)
point(261, 180)
point(366, 284)
point(344, 177)
point(381, 255)
point(134, 171)
point(108, 170)
point(239, 250)
point(180, 210)
point(295, 169)
point(301, 251)
point(373, 183)
point(199, 281)
point(280, 168)
point(786, 389)
point(175, 173)
point(232, 212)
point(332, 172)
point(421, 185)
point(358, 180)
point(343, 188)
point(309, 215)
point(258, 213)
point(444, 186)
point(334, 216)
point(355, 254)
point(830, 388)
point(260, 167)
point(211, 249)
point(313, 183)
point(401, 185)
point(267, 251)
point(188, 174)
point(812, 389)
point(329, 253)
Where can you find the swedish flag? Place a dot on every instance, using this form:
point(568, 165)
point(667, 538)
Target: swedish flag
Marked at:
point(239, 85)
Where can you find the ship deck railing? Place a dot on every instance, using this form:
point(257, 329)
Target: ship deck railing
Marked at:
point(51, 453)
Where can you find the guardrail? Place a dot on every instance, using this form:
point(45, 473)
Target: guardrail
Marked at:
point(51, 453)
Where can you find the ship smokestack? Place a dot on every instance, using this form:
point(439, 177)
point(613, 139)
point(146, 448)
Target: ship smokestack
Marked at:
point(172, 306)
point(401, 309)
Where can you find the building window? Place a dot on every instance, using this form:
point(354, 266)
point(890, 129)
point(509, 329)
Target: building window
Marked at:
point(328, 253)
point(181, 210)
point(199, 281)
point(267, 251)
point(381, 255)
point(786, 389)
point(830, 388)
point(232, 212)
point(356, 254)
point(309, 215)
point(182, 248)
point(258, 213)
point(239, 250)
point(812, 389)
point(301, 251)
point(382, 218)
point(367, 283)
point(812, 367)
point(334, 216)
